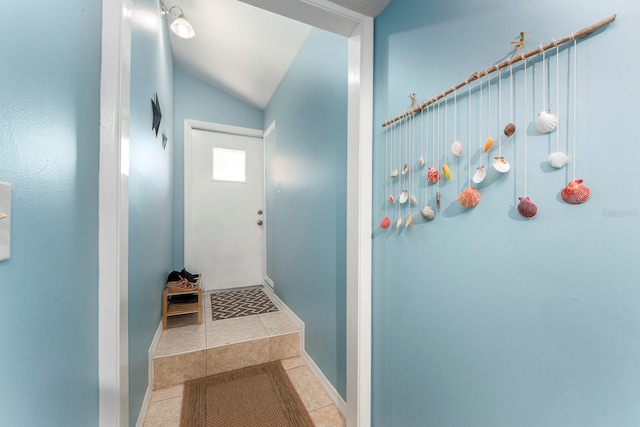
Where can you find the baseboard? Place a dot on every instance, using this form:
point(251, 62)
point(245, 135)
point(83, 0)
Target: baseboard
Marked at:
point(269, 282)
point(147, 395)
point(324, 382)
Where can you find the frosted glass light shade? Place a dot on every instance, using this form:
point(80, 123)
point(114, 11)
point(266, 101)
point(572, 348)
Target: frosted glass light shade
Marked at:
point(182, 28)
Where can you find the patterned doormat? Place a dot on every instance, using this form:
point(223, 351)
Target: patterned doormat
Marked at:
point(244, 302)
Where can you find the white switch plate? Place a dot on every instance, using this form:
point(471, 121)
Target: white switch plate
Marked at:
point(5, 223)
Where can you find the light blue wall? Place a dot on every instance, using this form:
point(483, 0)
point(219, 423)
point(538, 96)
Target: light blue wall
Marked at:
point(482, 318)
point(309, 270)
point(49, 148)
point(197, 100)
point(150, 190)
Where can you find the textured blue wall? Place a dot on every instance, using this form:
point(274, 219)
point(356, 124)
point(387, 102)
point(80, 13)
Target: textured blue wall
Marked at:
point(150, 190)
point(49, 148)
point(309, 259)
point(197, 100)
point(482, 318)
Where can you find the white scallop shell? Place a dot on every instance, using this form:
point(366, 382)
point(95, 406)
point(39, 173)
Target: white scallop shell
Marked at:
point(413, 200)
point(399, 222)
point(394, 173)
point(421, 161)
point(546, 121)
point(480, 174)
point(404, 196)
point(501, 165)
point(456, 148)
point(558, 159)
point(428, 213)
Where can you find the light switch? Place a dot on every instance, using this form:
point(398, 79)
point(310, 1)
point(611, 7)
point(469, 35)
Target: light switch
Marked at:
point(5, 220)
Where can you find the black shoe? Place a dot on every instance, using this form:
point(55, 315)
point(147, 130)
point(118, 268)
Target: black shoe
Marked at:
point(174, 276)
point(193, 278)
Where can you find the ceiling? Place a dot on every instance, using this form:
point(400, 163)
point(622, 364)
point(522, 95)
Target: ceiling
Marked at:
point(244, 50)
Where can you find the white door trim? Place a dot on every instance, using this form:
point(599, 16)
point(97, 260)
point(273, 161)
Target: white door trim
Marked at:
point(359, 29)
point(265, 218)
point(189, 126)
point(113, 216)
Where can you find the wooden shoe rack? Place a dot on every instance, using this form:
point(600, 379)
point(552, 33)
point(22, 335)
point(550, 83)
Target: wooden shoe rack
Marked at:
point(179, 308)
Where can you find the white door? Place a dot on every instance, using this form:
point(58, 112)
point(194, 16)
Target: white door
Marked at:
point(223, 206)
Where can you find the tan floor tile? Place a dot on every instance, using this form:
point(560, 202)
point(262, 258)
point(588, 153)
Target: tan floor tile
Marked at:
point(181, 340)
point(277, 323)
point(167, 393)
point(329, 416)
point(236, 356)
point(311, 392)
point(165, 413)
point(176, 369)
point(230, 331)
point(284, 346)
point(292, 362)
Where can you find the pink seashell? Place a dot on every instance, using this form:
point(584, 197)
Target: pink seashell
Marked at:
point(509, 129)
point(575, 193)
point(469, 198)
point(433, 175)
point(527, 208)
point(385, 223)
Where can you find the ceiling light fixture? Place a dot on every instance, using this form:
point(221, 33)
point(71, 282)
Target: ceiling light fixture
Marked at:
point(181, 27)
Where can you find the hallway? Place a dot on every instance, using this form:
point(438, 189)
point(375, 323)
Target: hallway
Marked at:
point(187, 351)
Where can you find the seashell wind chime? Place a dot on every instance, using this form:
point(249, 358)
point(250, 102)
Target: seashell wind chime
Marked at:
point(433, 134)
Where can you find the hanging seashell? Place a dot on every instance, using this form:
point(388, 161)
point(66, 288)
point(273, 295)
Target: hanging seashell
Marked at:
point(575, 193)
point(428, 213)
point(392, 199)
point(438, 200)
point(413, 200)
point(433, 175)
point(558, 159)
point(394, 173)
point(527, 208)
point(546, 121)
point(409, 220)
point(469, 198)
point(3, 215)
point(385, 223)
point(421, 161)
point(446, 171)
point(488, 144)
point(405, 169)
point(404, 196)
point(399, 222)
point(501, 165)
point(456, 148)
point(480, 174)
point(509, 129)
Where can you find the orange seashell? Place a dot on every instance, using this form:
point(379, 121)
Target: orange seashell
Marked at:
point(527, 208)
point(385, 223)
point(469, 198)
point(488, 144)
point(433, 175)
point(575, 193)
point(446, 171)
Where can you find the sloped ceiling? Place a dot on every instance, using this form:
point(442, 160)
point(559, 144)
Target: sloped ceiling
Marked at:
point(244, 50)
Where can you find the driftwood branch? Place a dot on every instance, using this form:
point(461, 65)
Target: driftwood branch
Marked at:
point(475, 76)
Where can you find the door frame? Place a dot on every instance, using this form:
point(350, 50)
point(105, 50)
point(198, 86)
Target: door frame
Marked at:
point(113, 365)
point(270, 129)
point(189, 126)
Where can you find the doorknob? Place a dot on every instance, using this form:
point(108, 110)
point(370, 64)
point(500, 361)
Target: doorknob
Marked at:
point(259, 222)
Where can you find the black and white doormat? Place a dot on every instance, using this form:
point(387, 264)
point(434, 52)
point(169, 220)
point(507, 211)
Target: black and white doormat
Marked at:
point(240, 303)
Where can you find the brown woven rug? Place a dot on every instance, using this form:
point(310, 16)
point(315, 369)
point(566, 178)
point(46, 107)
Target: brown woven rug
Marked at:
point(256, 396)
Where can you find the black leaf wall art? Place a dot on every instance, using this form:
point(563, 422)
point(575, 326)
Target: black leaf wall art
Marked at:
point(157, 114)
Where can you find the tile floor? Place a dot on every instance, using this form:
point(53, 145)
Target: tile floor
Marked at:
point(187, 350)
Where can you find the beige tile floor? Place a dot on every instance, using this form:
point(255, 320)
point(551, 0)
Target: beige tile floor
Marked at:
point(187, 350)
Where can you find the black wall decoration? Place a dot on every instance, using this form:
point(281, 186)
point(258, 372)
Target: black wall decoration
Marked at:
point(157, 114)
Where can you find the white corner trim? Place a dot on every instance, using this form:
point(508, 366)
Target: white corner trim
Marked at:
point(113, 216)
point(147, 395)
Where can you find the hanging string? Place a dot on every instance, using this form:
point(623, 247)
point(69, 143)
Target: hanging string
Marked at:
point(544, 80)
point(500, 114)
point(479, 140)
point(444, 142)
point(525, 127)
point(575, 87)
point(455, 114)
point(489, 107)
point(511, 93)
point(558, 96)
point(386, 161)
point(426, 194)
point(469, 138)
point(438, 144)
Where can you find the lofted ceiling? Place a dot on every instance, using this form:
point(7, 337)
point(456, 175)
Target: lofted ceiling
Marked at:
point(244, 50)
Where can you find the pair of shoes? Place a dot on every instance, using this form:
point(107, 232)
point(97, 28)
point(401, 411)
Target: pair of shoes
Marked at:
point(193, 278)
point(182, 285)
